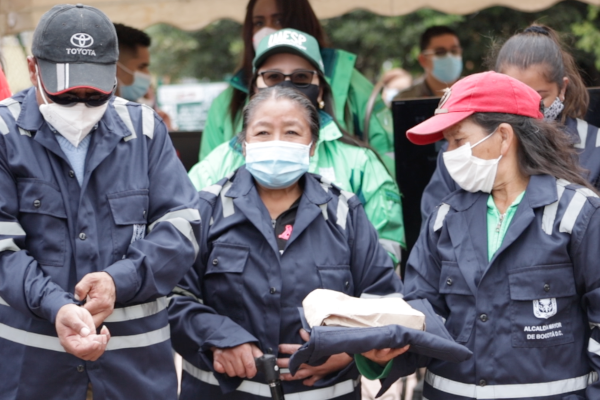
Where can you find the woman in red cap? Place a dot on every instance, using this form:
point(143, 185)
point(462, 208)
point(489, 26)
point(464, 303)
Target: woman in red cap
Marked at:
point(511, 261)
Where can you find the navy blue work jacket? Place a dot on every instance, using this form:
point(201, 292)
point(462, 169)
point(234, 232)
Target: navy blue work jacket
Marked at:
point(585, 138)
point(243, 289)
point(134, 216)
point(530, 314)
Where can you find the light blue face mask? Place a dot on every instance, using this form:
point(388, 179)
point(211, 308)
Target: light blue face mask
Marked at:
point(448, 68)
point(139, 87)
point(277, 164)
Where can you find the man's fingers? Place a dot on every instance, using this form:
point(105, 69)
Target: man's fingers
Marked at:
point(218, 367)
point(283, 362)
point(83, 288)
point(249, 364)
point(304, 335)
point(256, 352)
point(311, 381)
point(288, 348)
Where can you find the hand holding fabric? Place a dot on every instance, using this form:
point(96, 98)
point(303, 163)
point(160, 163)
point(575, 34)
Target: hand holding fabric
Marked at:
point(99, 290)
point(237, 361)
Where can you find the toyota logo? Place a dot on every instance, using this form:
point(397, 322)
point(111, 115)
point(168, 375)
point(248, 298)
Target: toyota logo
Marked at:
point(82, 40)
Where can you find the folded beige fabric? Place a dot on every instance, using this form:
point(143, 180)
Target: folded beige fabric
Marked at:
point(328, 307)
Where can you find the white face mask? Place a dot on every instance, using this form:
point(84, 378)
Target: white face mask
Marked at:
point(469, 172)
point(74, 122)
point(260, 35)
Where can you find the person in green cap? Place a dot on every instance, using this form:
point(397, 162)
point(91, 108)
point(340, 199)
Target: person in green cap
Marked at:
point(350, 89)
point(292, 58)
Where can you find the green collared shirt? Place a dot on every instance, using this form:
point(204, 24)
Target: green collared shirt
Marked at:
point(497, 224)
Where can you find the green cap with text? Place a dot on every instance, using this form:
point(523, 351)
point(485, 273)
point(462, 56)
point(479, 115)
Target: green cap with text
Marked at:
point(289, 41)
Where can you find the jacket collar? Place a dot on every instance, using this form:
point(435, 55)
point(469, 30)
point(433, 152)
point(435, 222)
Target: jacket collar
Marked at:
point(540, 192)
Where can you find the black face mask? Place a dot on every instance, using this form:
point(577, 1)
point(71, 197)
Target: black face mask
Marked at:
point(311, 91)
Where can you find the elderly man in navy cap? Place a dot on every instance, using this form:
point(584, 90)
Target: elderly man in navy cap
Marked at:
point(98, 222)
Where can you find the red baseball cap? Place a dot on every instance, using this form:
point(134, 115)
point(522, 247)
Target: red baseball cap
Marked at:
point(487, 92)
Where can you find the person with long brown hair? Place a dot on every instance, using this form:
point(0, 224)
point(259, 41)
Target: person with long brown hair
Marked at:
point(538, 58)
point(510, 260)
point(350, 89)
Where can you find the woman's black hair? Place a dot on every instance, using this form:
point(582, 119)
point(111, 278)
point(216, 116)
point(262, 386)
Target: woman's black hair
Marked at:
point(281, 93)
point(296, 14)
point(543, 148)
point(539, 45)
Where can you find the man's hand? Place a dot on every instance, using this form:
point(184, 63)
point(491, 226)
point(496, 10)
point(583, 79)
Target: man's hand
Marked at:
point(306, 372)
point(383, 356)
point(75, 328)
point(99, 290)
point(237, 361)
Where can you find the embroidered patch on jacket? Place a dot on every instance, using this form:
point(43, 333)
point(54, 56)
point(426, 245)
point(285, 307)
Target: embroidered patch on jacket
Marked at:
point(544, 308)
point(139, 232)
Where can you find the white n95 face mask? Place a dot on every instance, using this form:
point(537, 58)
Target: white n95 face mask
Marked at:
point(471, 173)
point(73, 122)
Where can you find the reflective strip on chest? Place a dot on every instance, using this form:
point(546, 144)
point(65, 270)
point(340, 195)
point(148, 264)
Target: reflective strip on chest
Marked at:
point(147, 121)
point(342, 208)
point(138, 311)
point(263, 390)
point(122, 110)
point(11, 229)
point(8, 245)
point(550, 210)
point(15, 109)
point(227, 202)
point(515, 391)
point(582, 130)
point(574, 209)
point(441, 215)
point(213, 189)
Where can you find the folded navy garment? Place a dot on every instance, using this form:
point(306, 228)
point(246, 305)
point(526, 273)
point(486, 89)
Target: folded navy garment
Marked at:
point(434, 342)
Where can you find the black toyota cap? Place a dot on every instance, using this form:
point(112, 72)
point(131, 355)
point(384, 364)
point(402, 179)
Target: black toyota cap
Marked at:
point(76, 47)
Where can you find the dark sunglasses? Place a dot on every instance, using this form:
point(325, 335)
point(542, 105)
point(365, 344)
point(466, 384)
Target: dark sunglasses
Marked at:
point(301, 77)
point(70, 100)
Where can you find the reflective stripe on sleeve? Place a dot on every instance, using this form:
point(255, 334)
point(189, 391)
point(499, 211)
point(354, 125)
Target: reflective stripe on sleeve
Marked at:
point(550, 210)
point(138, 311)
point(8, 245)
point(323, 208)
point(392, 247)
point(441, 215)
point(515, 391)
point(53, 343)
point(181, 219)
point(11, 229)
point(582, 130)
point(573, 209)
point(147, 121)
point(15, 109)
point(263, 390)
point(377, 296)
point(227, 202)
point(594, 347)
point(120, 105)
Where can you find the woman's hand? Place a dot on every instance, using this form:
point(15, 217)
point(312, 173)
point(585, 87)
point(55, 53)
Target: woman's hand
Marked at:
point(236, 361)
point(383, 356)
point(306, 372)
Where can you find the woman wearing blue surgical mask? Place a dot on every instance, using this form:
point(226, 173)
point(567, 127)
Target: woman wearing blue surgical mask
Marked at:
point(272, 234)
point(537, 58)
point(351, 89)
point(339, 157)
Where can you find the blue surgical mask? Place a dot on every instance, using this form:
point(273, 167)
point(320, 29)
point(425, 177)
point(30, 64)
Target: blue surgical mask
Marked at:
point(277, 164)
point(447, 69)
point(139, 87)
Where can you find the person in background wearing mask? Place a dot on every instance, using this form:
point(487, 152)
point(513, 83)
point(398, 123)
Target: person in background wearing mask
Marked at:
point(98, 222)
point(441, 58)
point(510, 261)
point(339, 157)
point(350, 89)
point(537, 58)
point(133, 75)
point(276, 233)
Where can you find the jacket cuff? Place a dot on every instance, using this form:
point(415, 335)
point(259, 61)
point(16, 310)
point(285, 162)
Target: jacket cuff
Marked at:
point(125, 276)
point(53, 302)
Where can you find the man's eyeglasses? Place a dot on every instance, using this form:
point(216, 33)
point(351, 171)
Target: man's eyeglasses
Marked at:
point(69, 100)
point(301, 77)
point(441, 52)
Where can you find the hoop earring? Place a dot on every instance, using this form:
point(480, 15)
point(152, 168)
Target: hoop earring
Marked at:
point(321, 104)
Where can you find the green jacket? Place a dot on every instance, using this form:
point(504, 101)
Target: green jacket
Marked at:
point(349, 87)
point(354, 169)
